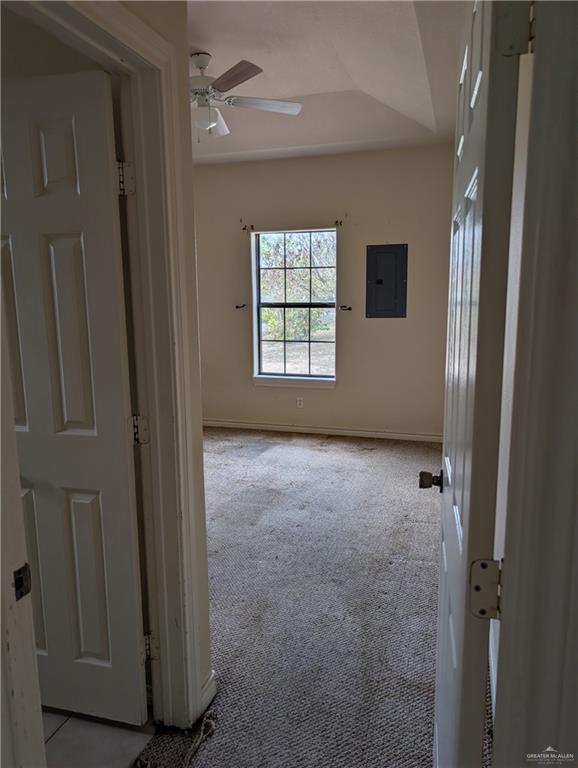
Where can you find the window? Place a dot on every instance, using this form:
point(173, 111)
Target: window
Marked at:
point(295, 300)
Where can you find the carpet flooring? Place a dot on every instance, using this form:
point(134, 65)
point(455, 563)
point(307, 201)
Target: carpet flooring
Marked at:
point(323, 579)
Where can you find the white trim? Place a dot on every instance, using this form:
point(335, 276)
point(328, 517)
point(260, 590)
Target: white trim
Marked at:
point(142, 405)
point(314, 430)
point(537, 671)
point(284, 231)
point(176, 546)
point(309, 382)
point(514, 262)
point(254, 309)
point(264, 380)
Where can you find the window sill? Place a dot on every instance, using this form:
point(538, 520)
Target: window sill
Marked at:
point(293, 381)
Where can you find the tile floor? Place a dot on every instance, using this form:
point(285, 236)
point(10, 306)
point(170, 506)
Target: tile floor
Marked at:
point(73, 742)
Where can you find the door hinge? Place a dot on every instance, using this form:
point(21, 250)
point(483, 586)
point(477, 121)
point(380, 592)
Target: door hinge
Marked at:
point(140, 429)
point(126, 179)
point(151, 647)
point(486, 588)
point(22, 581)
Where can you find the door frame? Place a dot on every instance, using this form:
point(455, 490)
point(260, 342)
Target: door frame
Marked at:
point(163, 289)
point(537, 663)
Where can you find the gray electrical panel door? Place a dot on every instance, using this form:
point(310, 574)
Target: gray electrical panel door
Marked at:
point(386, 294)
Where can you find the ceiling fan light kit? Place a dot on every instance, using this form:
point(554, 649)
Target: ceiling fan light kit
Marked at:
point(207, 93)
point(205, 118)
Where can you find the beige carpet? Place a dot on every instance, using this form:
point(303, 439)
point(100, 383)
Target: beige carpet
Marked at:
point(323, 569)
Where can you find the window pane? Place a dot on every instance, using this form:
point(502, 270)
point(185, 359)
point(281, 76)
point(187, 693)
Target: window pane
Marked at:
point(297, 249)
point(297, 285)
point(322, 359)
point(272, 324)
point(322, 325)
point(297, 355)
point(271, 250)
point(272, 357)
point(272, 285)
point(323, 284)
point(323, 249)
point(297, 324)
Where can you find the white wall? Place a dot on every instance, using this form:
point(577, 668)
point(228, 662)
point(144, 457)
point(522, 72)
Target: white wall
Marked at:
point(390, 372)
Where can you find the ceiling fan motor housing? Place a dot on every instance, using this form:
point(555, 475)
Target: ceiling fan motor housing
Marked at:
point(200, 85)
point(201, 59)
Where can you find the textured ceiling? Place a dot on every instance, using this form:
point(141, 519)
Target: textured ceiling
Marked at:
point(369, 74)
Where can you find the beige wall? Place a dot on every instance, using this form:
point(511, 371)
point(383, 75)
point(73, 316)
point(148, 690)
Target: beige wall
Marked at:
point(389, 371)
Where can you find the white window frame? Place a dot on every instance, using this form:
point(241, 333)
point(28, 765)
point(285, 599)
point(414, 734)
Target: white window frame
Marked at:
point(281, 380)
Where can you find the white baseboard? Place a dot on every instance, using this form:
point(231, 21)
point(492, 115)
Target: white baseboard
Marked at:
point(307, 429)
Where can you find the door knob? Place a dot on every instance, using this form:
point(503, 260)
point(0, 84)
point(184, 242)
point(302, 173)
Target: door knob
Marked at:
point(426, 480)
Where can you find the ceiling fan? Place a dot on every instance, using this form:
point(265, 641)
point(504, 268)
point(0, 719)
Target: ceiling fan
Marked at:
point(208, 93)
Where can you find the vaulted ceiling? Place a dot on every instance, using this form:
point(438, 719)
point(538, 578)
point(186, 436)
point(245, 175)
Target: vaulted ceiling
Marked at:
point(370, 74)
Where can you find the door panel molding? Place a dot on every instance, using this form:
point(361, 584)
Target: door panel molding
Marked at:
point(85, 537)
point(13, 333)
point(66, 310)
point(31, 528)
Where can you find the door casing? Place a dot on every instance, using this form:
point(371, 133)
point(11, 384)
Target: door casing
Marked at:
point(537, 661)
point(165, 322)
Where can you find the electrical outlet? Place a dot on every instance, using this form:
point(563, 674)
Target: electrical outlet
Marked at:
point(299, 402)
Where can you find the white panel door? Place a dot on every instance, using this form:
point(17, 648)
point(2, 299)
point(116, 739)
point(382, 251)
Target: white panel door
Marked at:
point(62, 279)
point(478, 278)
point(22, 742)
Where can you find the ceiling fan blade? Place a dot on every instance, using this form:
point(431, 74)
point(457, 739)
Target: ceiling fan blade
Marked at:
point(238, 74)
point(221, 129)
point(267, 105)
